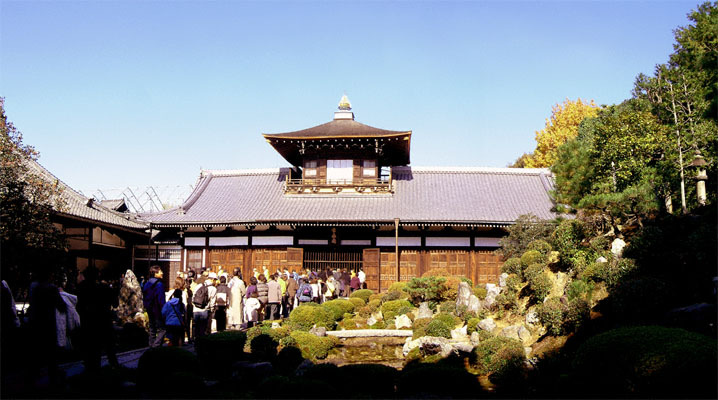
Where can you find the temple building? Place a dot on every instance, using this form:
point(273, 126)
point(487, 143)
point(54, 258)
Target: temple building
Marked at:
point(348, 199)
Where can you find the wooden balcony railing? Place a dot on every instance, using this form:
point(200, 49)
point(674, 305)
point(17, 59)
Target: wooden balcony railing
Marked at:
point(361, 185)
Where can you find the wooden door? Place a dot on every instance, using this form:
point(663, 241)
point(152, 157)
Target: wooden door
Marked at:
point(295, 258)
point(371, 260)
point(227, 259)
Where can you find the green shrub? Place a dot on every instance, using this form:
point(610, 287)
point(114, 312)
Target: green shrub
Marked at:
point(362, 294)
point(338, 308)
point(507, 300)
point(374, 304)
point(381, 324)
point(480, 292)
point(397, 286)
point(512, 266)
point(312, 346)
point(532, 257)
point(497, 356)
point(648, 361)
point(551, 315)
point(430, 289)
point(348, 324)
point(305, 317)
point(419, 327)
point(579, 289)
point(449, 319)
point(472, 326)
point(539, 282)
point(264, 347)
point(526, 229)
point(392, 295)
point(394, 306)
point(358, 302)
point(567, 237)
point(577, 314)
point(438, 328)
point(447, 306)
point(365, 311)
point(533, 271)
point(376, 296)
point(600, 243)
point(164, 363)
point(541, 246)
point(266, 329)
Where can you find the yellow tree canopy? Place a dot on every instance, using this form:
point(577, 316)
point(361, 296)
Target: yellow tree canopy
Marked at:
point(561, 127)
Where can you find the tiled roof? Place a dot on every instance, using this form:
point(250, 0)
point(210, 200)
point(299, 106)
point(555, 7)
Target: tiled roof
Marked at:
point(422, 195)
point(337, 129)
point(74, 204)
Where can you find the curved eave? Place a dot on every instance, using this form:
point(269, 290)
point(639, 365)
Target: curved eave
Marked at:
point(208, 224)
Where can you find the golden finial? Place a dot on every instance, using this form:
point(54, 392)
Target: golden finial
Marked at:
point(344, 103)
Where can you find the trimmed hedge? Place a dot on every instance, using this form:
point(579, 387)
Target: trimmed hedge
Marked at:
point(362, 294)
point(358, 302)
point(312, 346)
point(305, 317)
point(648, 361)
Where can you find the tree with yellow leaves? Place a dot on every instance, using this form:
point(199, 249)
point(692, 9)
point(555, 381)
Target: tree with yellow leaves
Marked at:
point(562, 126)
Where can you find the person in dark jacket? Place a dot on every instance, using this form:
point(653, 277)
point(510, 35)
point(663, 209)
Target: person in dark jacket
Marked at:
point(345, 282)
point(221, 304)
point(45, 300)
point(263, 295)
point(94, 305)
point(153, 297)
point(354, 284)
point(173, 314)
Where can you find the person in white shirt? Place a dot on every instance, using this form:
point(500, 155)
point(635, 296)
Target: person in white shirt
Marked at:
point(362, 278)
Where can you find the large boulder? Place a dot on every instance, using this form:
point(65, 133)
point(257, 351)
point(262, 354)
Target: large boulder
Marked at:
point(130, 298)
point(532, 317)
point(491, 292)
point(475, 338)
point(319, 331)
point(487, 324)
point(460, 333)
point(402, 321)
point(429, 345)
point(474, 304)
point(502, 280)
point(518, 332)
point(424, 311)
point(463, 295)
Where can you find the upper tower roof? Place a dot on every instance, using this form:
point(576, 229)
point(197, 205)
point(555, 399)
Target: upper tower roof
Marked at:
point(340, 135)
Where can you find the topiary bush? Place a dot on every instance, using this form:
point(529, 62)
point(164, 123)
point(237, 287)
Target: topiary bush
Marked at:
point(374, 304)
point(362, 294)
point(305, 317)
point(452, 287)
point(447, 306)
point(312, 346)
point(264, 347)
point(338, 308)
point(392, 295)
point(512, 266)
point(538, 282)
point(577, 314)
point(648, 361)
point(579, 289)
point(551, 315)
point(376, 296)
point(497, 356)
point(438, 328)
point(166, 364)
point(358, 302)
point(430, 289)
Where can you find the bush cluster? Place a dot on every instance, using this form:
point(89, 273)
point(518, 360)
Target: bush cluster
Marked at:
point(497, 356)
point(428, 288)
point(338, 308)
point(532, 257)
point(541, 246)
point(512, 266)
point(362, 294)
point(472, 325)
point(551, 315)
point(449, 319)
point(306, 316)
point(438, 328)
point(358, 302)
point(419, 327)
point(480, 292)
point(393, 295)
point(538, 281)
point(313, 347)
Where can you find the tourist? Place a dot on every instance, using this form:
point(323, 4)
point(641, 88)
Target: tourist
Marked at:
point(362, 278)
point(68, 323)
point(94, 305)
point(221, 303)
point(153, 297)
point(211, 284)
point(189, 308)
point(262, 292)
point(251, 309)
point(315, 290)
point(45, 300)
point(345, 282)
point(201, 309)
point(304, 293)
point(282, 280)
point(236, 303)
point(173, 313)
point(331, 288)
point(274, 298)
point(354, 283)
point(292, 287)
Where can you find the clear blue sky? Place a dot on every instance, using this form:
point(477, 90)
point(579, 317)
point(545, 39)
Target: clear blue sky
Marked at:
point(132, 93)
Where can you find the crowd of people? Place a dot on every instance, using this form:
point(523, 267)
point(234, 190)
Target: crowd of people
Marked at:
point(197, 304)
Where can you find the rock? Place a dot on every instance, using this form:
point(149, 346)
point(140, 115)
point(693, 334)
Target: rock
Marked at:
point(460, 333)
point(409, 345)
point(474, 304)
point(491, 292)
point(130, 298)
point(518, 332)
point(465, 347)
point(617, 247)
point(371, 320)
point(275, 325)
point(378, 315)
point(487, 324)
point(252, 371)
point(438, 344)
point(303, 367)
point(524, 334)
point(402, 321)
point(429, 349)
point(463, 294)
point(319, 331)
point(502, 279)
point(424, 311)
point(601, 260)
point(475, 338)
point(527, 350)
point(532, 318)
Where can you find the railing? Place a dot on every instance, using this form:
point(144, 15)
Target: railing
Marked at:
point(360, 185)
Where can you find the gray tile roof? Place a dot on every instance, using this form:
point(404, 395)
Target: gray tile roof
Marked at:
point(422, 195)
point(73, 204)
point(337, 128)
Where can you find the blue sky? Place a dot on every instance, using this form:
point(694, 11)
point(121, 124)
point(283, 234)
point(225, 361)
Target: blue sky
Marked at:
point(136, 93)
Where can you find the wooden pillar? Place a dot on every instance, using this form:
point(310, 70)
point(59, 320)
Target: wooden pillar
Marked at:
point(396, 247)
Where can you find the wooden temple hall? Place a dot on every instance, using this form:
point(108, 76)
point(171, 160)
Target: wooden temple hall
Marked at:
point(348, 199)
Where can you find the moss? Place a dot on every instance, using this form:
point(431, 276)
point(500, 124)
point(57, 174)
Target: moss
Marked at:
point(378, 325)
point(374, 304)
point(480, 292)
point(312, 346)
point(363, 294)
point(419, 327)
point(305, 317)
point(472, 326)
point(449, 319)
point(394, 306)
point(338, 308)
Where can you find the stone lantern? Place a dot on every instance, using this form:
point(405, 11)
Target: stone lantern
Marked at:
point(699, 163)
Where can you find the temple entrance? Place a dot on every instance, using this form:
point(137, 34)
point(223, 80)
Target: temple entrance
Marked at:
point(318, 260)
